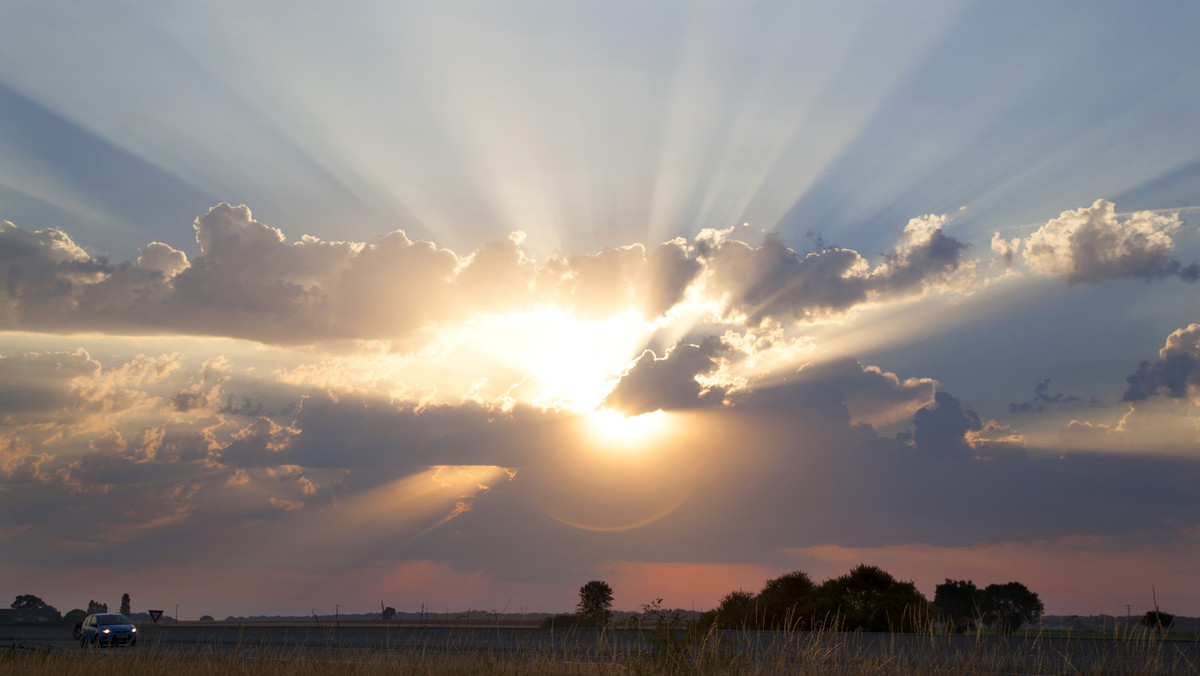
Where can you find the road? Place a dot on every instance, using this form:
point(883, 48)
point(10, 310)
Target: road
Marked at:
point(299, 640)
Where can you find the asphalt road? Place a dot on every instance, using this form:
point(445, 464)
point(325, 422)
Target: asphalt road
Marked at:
point(1017, 654)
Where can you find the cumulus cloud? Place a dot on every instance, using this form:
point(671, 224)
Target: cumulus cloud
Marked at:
point(1091, 245)
point(942, 427)
point(669, 382)
point(1007, 249)
point(1176, 371)
point(869, 394)
point(772, 281)
point(249, 281)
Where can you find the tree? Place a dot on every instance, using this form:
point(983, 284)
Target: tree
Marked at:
point(595, 602)
point(206, 618)
point(28, 602)
point(736, 610)
point(785, 601)
point(868, 598)
point(125, 604)
point(388, 614)
point(75, 616)
point(32, 609)
point(957, 604)
point(1154, 619)
point(1008, 606)
point(94, 608)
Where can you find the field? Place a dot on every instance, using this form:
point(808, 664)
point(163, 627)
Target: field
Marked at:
point(365, 649)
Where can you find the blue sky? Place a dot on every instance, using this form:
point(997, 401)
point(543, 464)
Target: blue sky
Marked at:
point(942, 237)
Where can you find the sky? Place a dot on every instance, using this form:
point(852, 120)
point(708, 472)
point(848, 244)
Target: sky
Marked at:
point(461, 305)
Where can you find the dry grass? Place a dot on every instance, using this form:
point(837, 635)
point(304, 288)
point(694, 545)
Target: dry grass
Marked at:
point(663, 654)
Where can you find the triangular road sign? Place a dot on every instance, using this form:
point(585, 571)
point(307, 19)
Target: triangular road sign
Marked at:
point(155, 614)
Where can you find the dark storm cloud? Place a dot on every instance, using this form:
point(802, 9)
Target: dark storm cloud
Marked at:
point(1174, 373)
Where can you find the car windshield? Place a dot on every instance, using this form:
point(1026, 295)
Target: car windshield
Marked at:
point(112, 618)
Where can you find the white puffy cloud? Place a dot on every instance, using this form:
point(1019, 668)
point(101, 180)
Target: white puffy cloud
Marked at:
point(1091, 245)
point(163, 259)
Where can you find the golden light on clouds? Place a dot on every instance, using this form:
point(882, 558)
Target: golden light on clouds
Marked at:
point(549, 357)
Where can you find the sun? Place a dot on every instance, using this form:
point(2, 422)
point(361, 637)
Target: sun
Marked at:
point(553, 359)
point(616, 430)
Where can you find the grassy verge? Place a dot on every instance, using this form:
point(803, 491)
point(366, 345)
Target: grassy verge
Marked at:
point(665, 653)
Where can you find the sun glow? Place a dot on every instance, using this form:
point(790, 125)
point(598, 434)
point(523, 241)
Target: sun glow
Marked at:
point(551, 358)
point(627, 432)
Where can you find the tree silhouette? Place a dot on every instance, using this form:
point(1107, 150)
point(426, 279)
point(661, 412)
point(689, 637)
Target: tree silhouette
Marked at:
point(785, 601)
point(94, 608)
point(125, 604)
point(957, 603)
point(1008, 606)
point(595, 602)
point(870, 599)
point(736, 610)
point(1154, 619)
point(28, 602)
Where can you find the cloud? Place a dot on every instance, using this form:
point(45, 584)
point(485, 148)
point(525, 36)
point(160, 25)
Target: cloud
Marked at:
point(42, 384)
point(354, 480)
point(773, 282)
point(875, 396)
point(204, 392)
point(250, 282)
point(670, 382)
point(1042, 401)
point(1176, 371)
point(1162, 426)
point(1091, 245)
point(942, 427)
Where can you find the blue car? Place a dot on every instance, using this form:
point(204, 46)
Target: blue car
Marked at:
point(107, 629)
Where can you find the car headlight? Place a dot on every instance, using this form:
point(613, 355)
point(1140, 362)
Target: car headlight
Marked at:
point(105, 631)
point(134, 630)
